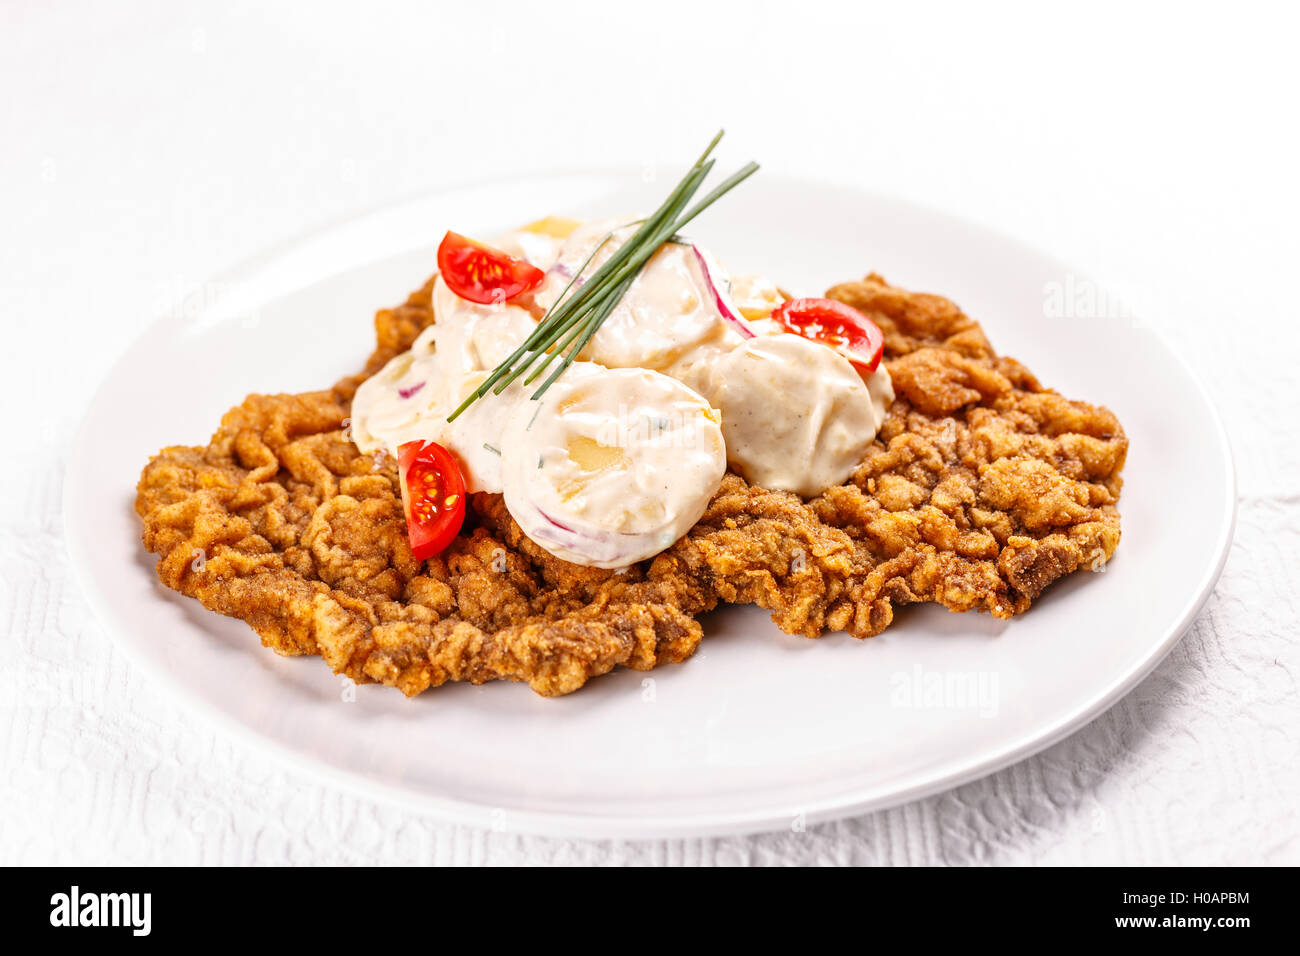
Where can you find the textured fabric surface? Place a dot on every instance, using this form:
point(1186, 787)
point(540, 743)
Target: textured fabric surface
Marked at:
point(129, 192)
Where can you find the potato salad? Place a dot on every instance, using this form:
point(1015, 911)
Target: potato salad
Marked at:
point(691, 372)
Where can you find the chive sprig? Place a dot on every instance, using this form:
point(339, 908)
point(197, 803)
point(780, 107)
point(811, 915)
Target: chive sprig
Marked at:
point(578, 313)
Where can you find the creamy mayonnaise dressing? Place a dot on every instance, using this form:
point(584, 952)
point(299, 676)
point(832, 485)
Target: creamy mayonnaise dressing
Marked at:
point(621, 455)
point(668, 311)
point(401, 401)
point(411, 397)
point(612, 468)
point(796, 415)
point(480, 337)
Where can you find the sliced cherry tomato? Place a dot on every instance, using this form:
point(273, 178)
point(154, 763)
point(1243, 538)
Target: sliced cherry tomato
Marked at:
point(433, 496)
point(840, 326)
point(482, 274)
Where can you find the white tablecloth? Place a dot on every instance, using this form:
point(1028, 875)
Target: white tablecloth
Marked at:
point(147, 146)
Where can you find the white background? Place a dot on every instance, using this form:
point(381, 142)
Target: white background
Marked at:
point(147, 146)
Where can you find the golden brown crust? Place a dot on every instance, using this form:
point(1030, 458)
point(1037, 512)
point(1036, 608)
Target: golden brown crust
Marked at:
point(981, 489)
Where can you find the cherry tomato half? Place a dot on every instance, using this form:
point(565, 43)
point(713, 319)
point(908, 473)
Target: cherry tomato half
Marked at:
point(433, 496)
point(482, 274)
point(840, 326)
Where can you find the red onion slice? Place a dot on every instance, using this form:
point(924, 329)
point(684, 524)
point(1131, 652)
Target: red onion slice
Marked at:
point(562, 527)
point(723, 306)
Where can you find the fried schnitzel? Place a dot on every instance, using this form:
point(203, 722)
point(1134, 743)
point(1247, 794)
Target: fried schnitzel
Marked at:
point(981, 489)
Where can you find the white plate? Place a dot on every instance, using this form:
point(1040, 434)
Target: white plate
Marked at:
point(758, 730)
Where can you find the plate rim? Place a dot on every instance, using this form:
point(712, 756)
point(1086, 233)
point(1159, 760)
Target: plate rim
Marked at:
point(711, 822)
